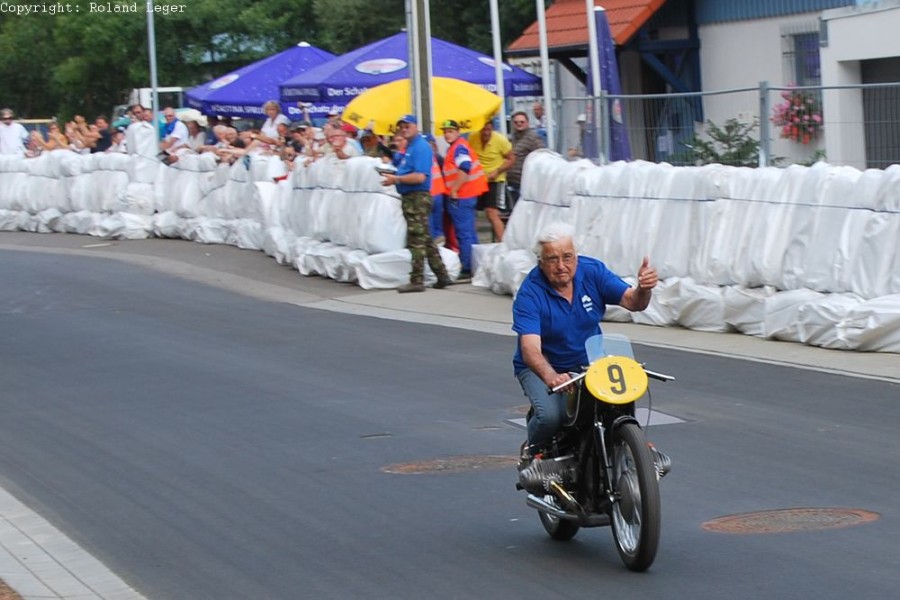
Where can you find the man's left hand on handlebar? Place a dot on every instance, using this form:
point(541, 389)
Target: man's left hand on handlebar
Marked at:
point(560, 379)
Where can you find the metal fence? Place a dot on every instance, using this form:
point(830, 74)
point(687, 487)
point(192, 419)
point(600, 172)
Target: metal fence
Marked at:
point(856, 126)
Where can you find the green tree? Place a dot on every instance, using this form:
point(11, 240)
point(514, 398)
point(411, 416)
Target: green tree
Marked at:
point(29, 52)
point(731, 144)
point(85, 62)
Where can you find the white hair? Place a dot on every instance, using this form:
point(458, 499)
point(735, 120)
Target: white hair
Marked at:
point(553, 232)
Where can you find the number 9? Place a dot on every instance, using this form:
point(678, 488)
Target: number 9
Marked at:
point(617, 378)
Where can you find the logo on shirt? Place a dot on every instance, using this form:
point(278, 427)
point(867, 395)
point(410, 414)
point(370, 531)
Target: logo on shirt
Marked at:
point(587, 303)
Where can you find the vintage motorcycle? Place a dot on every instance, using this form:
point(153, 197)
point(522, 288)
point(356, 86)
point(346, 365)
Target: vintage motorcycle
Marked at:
point(600, 469)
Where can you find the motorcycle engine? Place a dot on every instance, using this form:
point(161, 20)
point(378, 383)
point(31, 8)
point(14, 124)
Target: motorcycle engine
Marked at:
point(536, 477)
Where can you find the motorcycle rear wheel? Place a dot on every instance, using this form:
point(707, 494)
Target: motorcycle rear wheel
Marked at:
point(559, 529)
point(635, 515)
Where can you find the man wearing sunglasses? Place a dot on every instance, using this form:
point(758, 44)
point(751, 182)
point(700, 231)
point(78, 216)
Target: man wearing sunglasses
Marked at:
point(13, 136)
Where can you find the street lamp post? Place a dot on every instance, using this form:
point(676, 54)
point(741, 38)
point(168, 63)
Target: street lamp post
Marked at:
point(151, 52)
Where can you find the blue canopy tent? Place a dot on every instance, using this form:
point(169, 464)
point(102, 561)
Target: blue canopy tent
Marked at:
point(242, 93)
point(337, 82)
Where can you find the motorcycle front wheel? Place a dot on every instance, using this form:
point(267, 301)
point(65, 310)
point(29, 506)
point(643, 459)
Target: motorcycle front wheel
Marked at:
point(635, 515)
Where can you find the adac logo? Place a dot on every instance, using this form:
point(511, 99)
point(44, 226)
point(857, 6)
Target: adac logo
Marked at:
point(379, 66)
point(587, 303)
point(223, 81)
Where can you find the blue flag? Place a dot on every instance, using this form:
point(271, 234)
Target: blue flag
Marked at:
point(619, 147)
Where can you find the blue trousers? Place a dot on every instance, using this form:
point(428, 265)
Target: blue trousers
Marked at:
point(549, 410)
point(436, 218)
point(462, 212)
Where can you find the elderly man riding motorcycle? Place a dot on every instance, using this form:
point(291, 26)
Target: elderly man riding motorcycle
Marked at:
point(559, 306)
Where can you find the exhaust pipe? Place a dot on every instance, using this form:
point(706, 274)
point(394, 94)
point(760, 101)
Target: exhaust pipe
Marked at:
point(545, 507)
point(592, 520)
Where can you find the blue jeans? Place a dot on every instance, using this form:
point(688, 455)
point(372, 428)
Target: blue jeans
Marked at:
point(462, 211)
point(549, 410)
point(436, 219)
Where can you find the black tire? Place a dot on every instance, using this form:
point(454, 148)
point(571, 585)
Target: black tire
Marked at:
point(635, 516)
point(559, 529)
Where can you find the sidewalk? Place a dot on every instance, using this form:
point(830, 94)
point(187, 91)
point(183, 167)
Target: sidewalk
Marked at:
point(40, 562)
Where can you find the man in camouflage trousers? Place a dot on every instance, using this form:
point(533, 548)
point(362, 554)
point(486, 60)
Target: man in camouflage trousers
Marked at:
point(413, 181)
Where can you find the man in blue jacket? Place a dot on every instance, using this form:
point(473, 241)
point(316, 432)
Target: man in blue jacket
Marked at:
point(413, 181)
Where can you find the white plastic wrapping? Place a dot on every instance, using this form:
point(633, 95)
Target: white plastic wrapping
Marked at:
point(808, 254)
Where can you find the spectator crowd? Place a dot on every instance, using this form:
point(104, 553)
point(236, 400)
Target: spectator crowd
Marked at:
point(478, 172)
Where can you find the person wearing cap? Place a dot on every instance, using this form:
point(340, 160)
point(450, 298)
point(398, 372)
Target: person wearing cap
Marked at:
point(496, 154)
point(352, 132)
point(466, 181)
point(303, 138)
point(13, 136)
point(297, 138)
point(338, 143)
point(413, 181)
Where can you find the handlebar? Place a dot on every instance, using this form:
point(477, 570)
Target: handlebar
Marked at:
point(576, 377)
point(658, 376)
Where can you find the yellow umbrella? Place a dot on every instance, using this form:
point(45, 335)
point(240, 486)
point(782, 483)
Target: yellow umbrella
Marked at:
point(378, 108)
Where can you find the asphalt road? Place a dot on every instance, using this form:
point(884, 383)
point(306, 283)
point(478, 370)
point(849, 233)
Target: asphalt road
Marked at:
point(204, 444)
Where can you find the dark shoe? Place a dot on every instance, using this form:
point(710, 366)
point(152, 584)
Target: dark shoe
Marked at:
point(662, 462)
point(525, 457)
point(443, 282)
point(411, 287)
point(465, 275)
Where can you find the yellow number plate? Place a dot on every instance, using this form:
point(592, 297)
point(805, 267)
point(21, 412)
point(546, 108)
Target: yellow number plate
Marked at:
point(616, 379)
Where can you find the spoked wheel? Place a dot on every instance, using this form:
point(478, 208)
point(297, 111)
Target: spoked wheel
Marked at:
point(636, 513)
point(559, 529)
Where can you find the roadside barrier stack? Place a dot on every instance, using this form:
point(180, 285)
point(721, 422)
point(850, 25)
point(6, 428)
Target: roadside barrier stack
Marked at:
point(805, 254)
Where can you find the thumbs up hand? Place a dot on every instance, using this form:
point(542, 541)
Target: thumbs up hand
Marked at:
point(647, 277)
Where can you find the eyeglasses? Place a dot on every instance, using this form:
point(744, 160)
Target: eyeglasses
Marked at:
point(520, 122)
point(567, 259)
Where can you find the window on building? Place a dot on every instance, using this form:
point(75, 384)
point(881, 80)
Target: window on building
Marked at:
point(800, 53)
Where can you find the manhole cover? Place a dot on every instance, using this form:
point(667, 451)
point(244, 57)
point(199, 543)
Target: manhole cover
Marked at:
point(453, 464)
point(790, 520)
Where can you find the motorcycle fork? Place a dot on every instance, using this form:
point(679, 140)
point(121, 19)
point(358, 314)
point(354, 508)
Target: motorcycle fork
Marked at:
point(604, 486)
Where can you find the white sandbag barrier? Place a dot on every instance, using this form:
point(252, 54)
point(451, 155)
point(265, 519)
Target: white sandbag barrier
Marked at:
point(329, 217)
point(806, 254)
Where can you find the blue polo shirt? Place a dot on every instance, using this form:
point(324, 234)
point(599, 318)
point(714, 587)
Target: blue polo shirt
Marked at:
point(417, 159)
point(564, 327)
